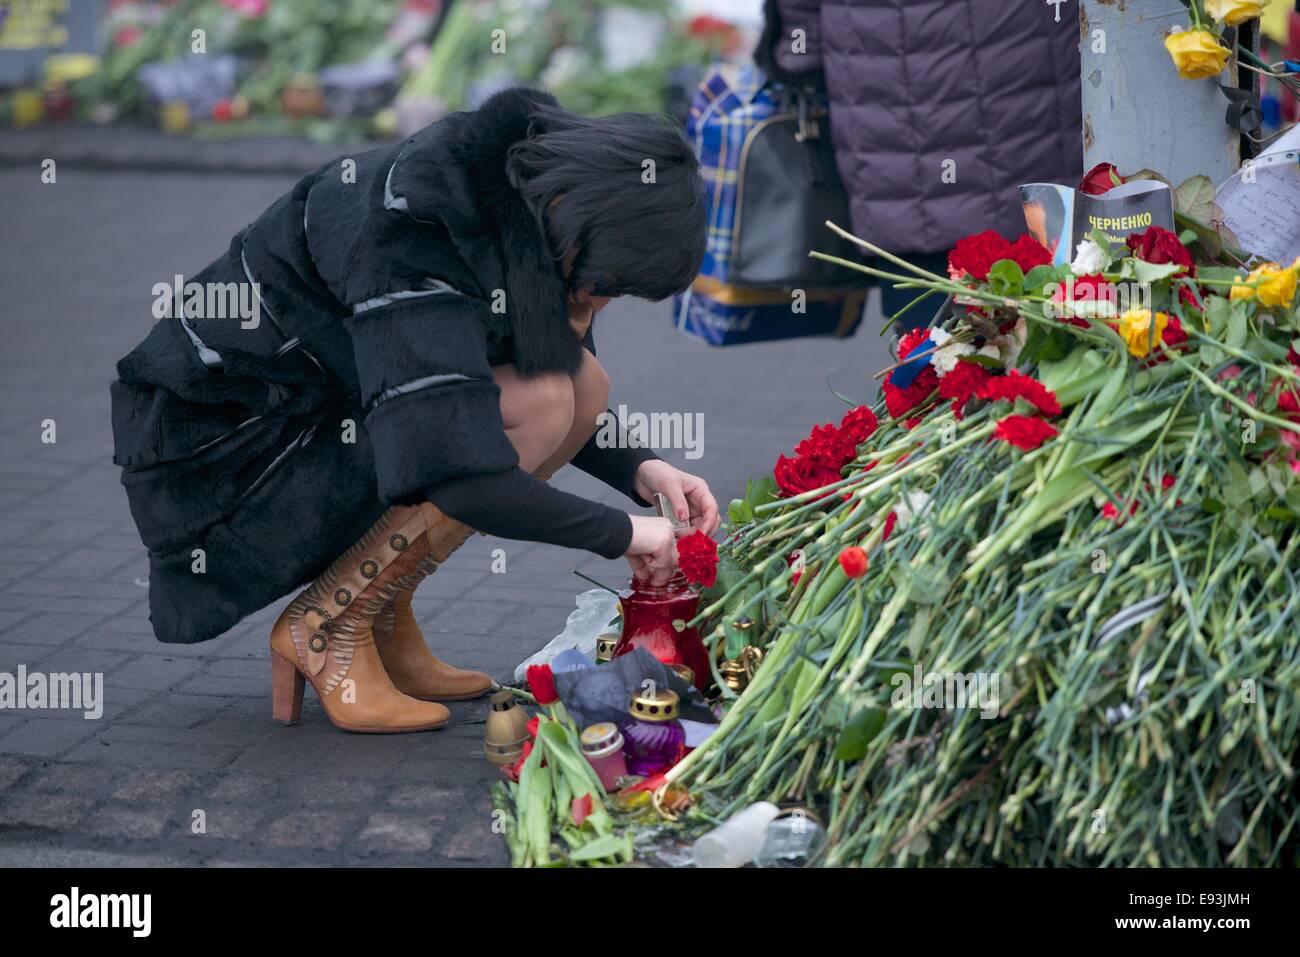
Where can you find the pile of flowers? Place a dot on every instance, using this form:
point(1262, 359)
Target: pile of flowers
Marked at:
point(1081, 486)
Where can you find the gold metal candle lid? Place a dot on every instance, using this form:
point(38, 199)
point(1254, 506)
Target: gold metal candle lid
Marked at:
point(659, 705)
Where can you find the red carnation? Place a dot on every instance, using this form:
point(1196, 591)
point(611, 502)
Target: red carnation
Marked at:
point(962, 384)
point(901, 401)
point(1159, 246)
point(1028, 252)
point(697, 556)
point(859, 424)
point(890, 521)
point(1024, 431)
point(974, 255)
point(798, 475)
point(1014, 386)
point(542, 683)
point(827, 446)
point(1102, 178)
point(854, 561)
point(911, 340)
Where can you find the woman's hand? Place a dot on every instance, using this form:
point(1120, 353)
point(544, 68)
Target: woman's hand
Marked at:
point(688, 494)
point(653, 550)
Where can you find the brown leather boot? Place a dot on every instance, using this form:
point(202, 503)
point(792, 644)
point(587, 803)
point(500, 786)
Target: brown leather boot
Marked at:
point(413, 668)
point(325, 635)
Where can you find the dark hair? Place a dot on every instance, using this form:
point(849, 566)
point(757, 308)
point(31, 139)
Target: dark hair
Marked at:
point(644, 239)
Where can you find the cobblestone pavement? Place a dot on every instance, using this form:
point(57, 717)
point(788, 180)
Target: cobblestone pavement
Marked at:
point(188, 728)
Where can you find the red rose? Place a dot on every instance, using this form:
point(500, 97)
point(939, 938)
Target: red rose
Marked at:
point(854, 561)
point(974, 255)
point(542, 682)
point(1102, 178)
point(1024, 431)
point(962, 384)
point(697, 556)
point(798, 475)
point(1159, 246)
point(1091, 289)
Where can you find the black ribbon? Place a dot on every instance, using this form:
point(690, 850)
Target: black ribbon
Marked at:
point(1244, 114)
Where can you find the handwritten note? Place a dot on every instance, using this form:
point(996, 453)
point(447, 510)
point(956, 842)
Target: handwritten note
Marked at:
point(1265, 213)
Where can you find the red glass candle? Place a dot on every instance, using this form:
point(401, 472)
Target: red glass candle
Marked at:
point(648, 615)
point(602, 746)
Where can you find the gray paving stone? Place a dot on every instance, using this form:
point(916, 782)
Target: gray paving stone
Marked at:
point(132, 823)
point(324, 830)
point(56, 812)
point(399, 833)
point(155, 784)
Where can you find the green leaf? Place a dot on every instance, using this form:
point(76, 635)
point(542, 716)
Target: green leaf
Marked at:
point(1044, 279)
point(1217, 311)
point(857, 734)
point(608, 845)
point(1195, 197)
point(1144, 271)
point(1006, 278)
point(1238, 327)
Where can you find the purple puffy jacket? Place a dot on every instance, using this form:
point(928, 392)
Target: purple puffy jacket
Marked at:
point(992, 85)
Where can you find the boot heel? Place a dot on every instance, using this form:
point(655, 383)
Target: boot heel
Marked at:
point(287, 685)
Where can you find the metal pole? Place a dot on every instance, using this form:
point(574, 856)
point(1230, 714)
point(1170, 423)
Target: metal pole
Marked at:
point(1138, 113)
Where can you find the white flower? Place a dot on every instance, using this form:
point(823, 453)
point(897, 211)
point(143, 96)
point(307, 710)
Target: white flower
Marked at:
point(912, 508)
point(1089, 259)
point(945, 359)
point(940, 336)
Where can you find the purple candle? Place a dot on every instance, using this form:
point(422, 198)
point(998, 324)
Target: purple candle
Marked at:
point(654, 738)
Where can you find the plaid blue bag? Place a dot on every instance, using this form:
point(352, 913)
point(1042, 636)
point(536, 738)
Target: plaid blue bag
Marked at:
point(768, 164)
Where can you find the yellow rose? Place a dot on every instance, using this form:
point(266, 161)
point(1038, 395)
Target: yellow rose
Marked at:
point(1197, 54)
point(1270, 284)
point(1235, 12)
point(1135, 329)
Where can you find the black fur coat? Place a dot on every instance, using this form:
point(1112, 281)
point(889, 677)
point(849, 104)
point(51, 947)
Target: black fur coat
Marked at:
point(255, 448)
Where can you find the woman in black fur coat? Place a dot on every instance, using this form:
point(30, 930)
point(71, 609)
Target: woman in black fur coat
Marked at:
point(417, 361)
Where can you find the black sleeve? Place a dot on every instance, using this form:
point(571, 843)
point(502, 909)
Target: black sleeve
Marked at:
point(615, 465)
point(433, 410)
point(514, 504)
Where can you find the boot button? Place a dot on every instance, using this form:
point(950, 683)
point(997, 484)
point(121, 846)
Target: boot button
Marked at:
point(369, 568)
point(317, 643)
point(343, 597)
point(398, 543)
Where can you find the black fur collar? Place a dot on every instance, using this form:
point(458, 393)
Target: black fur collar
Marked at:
point(454, 172)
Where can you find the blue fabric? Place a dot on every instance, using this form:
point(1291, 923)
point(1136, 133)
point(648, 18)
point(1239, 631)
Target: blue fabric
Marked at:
point(731, 101)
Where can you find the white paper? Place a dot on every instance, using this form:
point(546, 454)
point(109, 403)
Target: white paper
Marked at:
point(1265, 214)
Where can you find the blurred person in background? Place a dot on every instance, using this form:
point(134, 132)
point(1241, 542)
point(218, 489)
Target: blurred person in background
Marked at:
point(423, 360)
point(939, 110)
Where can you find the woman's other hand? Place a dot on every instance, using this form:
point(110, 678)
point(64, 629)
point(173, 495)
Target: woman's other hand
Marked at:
point(653, 550)
point(688, 494)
